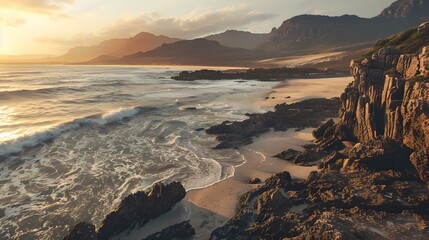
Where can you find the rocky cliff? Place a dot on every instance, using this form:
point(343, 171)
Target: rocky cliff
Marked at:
point(374, 163)
point(389, 98)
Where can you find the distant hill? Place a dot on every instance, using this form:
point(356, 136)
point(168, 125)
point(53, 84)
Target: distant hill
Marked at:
point(314, 31)
point(188, 52)
point(115, 48)
point(301, 36)
point(239, 39)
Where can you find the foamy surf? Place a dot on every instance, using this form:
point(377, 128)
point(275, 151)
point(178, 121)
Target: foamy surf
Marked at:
point(76, 165)
point(19, 144)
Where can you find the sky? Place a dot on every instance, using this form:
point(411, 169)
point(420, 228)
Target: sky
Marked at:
point(53, 26)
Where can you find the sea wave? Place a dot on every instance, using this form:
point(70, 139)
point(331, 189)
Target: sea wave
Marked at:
point(35, 92)
point(18, 145)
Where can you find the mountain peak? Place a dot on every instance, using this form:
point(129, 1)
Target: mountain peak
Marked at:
point(144, 35)
point(240, 39)
point(407, 9)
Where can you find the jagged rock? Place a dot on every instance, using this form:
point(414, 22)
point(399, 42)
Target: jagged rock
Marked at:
point(393, 105)
point(320, 131)
point(370, 183)
point(307, 157)
point(82, 231)
point(288, 155)
point(334, 205)
point(182, 230)
point(255, 181)
point(135, 210)
point(139, 208)
point(378, 154)
point(420, 160)
point(308, 113)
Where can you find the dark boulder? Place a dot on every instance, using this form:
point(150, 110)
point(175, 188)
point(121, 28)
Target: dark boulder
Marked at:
point(255, 181)
point(182, 230)
point(82, 231)
point(139, 208)
point(320, 131)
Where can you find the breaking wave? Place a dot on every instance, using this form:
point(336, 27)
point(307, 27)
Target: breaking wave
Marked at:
point(121, 114)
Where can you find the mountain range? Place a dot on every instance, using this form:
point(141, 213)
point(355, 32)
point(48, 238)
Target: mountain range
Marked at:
point(300, 35)
point(316, 32)
point(115, 48)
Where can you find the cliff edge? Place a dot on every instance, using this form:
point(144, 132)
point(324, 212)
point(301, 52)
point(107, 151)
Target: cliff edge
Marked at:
point(374, 163)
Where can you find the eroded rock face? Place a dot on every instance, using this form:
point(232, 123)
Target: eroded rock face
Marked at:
point(374, 165)
point(389, 98)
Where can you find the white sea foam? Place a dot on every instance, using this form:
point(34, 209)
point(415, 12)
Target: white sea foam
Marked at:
point(32, 140)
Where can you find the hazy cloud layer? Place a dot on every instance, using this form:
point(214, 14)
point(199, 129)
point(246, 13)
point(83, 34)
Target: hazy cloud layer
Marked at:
point(193, 24)
point(47, 7)
point(11, 21)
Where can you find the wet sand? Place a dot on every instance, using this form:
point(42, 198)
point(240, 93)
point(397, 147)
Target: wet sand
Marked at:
point(222, 198)
point(296, 90)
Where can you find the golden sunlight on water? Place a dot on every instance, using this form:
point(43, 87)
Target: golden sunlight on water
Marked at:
point(6, 120)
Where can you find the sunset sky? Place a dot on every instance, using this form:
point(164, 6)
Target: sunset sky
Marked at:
point(53, 26)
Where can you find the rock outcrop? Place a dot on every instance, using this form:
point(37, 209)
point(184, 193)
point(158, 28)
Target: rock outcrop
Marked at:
point(135, 211)
point(182, 230)
point(308, 113)
point(374, 162)
point(389, 98)
point(82, 231)
point(370, 192)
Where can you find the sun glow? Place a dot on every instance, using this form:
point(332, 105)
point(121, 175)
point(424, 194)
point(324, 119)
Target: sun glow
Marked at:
point(6, 119)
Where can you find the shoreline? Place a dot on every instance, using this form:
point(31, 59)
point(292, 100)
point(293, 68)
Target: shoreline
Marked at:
point(221, 198)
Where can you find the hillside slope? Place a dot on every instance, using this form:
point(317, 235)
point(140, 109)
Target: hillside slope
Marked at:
point(318, 32)
point(115, 48)
point(189, 52)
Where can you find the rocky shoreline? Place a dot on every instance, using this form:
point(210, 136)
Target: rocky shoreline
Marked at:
point(300, 115)
point(373, 163)
point(373, 178)
point(260, 74)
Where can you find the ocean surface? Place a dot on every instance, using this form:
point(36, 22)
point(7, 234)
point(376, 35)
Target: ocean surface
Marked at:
point(75, 140)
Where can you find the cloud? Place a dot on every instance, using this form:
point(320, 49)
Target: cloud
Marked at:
point(45, 7)
point(191, 25)
point(12, 21)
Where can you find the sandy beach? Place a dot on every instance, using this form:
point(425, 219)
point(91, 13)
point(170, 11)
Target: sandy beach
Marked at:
point(219, 201)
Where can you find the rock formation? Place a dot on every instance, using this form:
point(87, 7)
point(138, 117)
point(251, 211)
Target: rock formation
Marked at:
point(260, 74)
point(390, 98)
point(308, 113)
point(374, 163)
point(178, 231)
point(135, 211)
point(82, 231)
point(369, 191)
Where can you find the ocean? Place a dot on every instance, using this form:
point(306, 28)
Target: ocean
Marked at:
point(75, 140)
